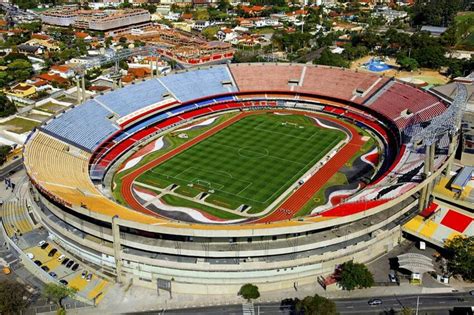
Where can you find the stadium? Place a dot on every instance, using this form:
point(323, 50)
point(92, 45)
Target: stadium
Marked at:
point(206, 179)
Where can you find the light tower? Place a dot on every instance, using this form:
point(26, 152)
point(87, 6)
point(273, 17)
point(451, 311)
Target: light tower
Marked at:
point(448, 123)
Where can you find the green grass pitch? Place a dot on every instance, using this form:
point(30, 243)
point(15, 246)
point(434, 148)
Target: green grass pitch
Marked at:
point(251, 162)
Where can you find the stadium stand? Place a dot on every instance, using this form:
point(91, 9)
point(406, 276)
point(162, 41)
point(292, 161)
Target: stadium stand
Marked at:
point(75, 126)
point(400, 101)
point(125, 101)
point(187, 86)
point(15, 218)
point(275, 76)
point(340, 83)
point(69, 180)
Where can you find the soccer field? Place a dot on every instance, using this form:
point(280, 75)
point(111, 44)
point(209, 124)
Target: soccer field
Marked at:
point(250, 162)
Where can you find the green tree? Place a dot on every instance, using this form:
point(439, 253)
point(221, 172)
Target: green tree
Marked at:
point(316, 305)
point(329, 59)
point(4, 150)
point(355, 275)
point(57, 293)
point(7, 107)
point(407, 63)
point(406, 311)
point(461, 256)
point(249, 292)
point(12, 299)
point(21, 69)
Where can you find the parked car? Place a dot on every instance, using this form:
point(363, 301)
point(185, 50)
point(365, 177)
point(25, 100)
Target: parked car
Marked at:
point(89, 277)
point(62, 281)
point(74, 268)
point(375, 302)
point(52, 252)
point(392, 277)
point(30, 255)
point(53, 274)
point(44, 245)
point(40, 243)
point(38, 263)
point(61, 257)
point(65, 261)
point(45, 268)
point(84, 274)
point(70, 263)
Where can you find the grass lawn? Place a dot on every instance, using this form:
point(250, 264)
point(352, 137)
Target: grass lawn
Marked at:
point(466, 43)
point(19, 125)
point(181, 202)
point(51, 107)
point(252, 161)
point(171, 143)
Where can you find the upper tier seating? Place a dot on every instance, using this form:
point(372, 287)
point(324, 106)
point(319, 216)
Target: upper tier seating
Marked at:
point(340, 83)
point(402, 101)
point(85, 126)
point(250, 77)
point(186, 86)
point(125, 101)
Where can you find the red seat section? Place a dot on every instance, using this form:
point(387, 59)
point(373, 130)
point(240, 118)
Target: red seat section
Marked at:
point(456, 221)
point(352, 208)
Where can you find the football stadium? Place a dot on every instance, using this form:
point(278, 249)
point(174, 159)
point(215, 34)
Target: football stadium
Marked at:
point(273, 174)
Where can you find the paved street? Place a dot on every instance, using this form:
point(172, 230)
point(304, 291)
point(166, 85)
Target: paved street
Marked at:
point(427, 304)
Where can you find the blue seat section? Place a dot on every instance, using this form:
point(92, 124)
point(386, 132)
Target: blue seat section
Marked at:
point(204, 103)
point(224, 98)
point(85, 126)
point(134, 97)
point(200, 83)
point(143, 124)
point(182, 109)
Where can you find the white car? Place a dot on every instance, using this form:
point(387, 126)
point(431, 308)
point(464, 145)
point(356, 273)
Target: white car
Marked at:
point(60, 258)
point(41, 243)
point(30, 255)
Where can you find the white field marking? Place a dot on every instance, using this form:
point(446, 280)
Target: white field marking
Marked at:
point(205, 183)
point(269, 155)
point(285, 134)
point(292, 179)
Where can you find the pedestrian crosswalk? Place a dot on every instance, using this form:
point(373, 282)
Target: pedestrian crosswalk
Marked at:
point(248, 309)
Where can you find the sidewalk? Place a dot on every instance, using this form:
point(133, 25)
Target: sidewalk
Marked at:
point(140, 299)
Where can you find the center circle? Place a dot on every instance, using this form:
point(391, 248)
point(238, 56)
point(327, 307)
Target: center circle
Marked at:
point(253, 152)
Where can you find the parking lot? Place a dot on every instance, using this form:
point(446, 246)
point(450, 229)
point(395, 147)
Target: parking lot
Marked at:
point(66, 270)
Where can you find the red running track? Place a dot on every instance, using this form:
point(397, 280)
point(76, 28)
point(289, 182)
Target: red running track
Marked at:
point(298, 199)
point(127, 180)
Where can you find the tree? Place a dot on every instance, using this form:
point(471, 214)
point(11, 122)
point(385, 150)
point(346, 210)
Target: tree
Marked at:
point(406, 311)
point(22, 69)
point(329, 59)
point(7, 107)
point(407, 63)
point(355, 275)
point(249, 292)
point(12, 297)
point(57, 293)
point(461, 256)
point(316, 305)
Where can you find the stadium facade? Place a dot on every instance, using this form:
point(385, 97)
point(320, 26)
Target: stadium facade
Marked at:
point(72, 158)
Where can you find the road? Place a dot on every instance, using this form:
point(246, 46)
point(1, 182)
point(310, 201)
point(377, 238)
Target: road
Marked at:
point(441, 303)
point(11, 168)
